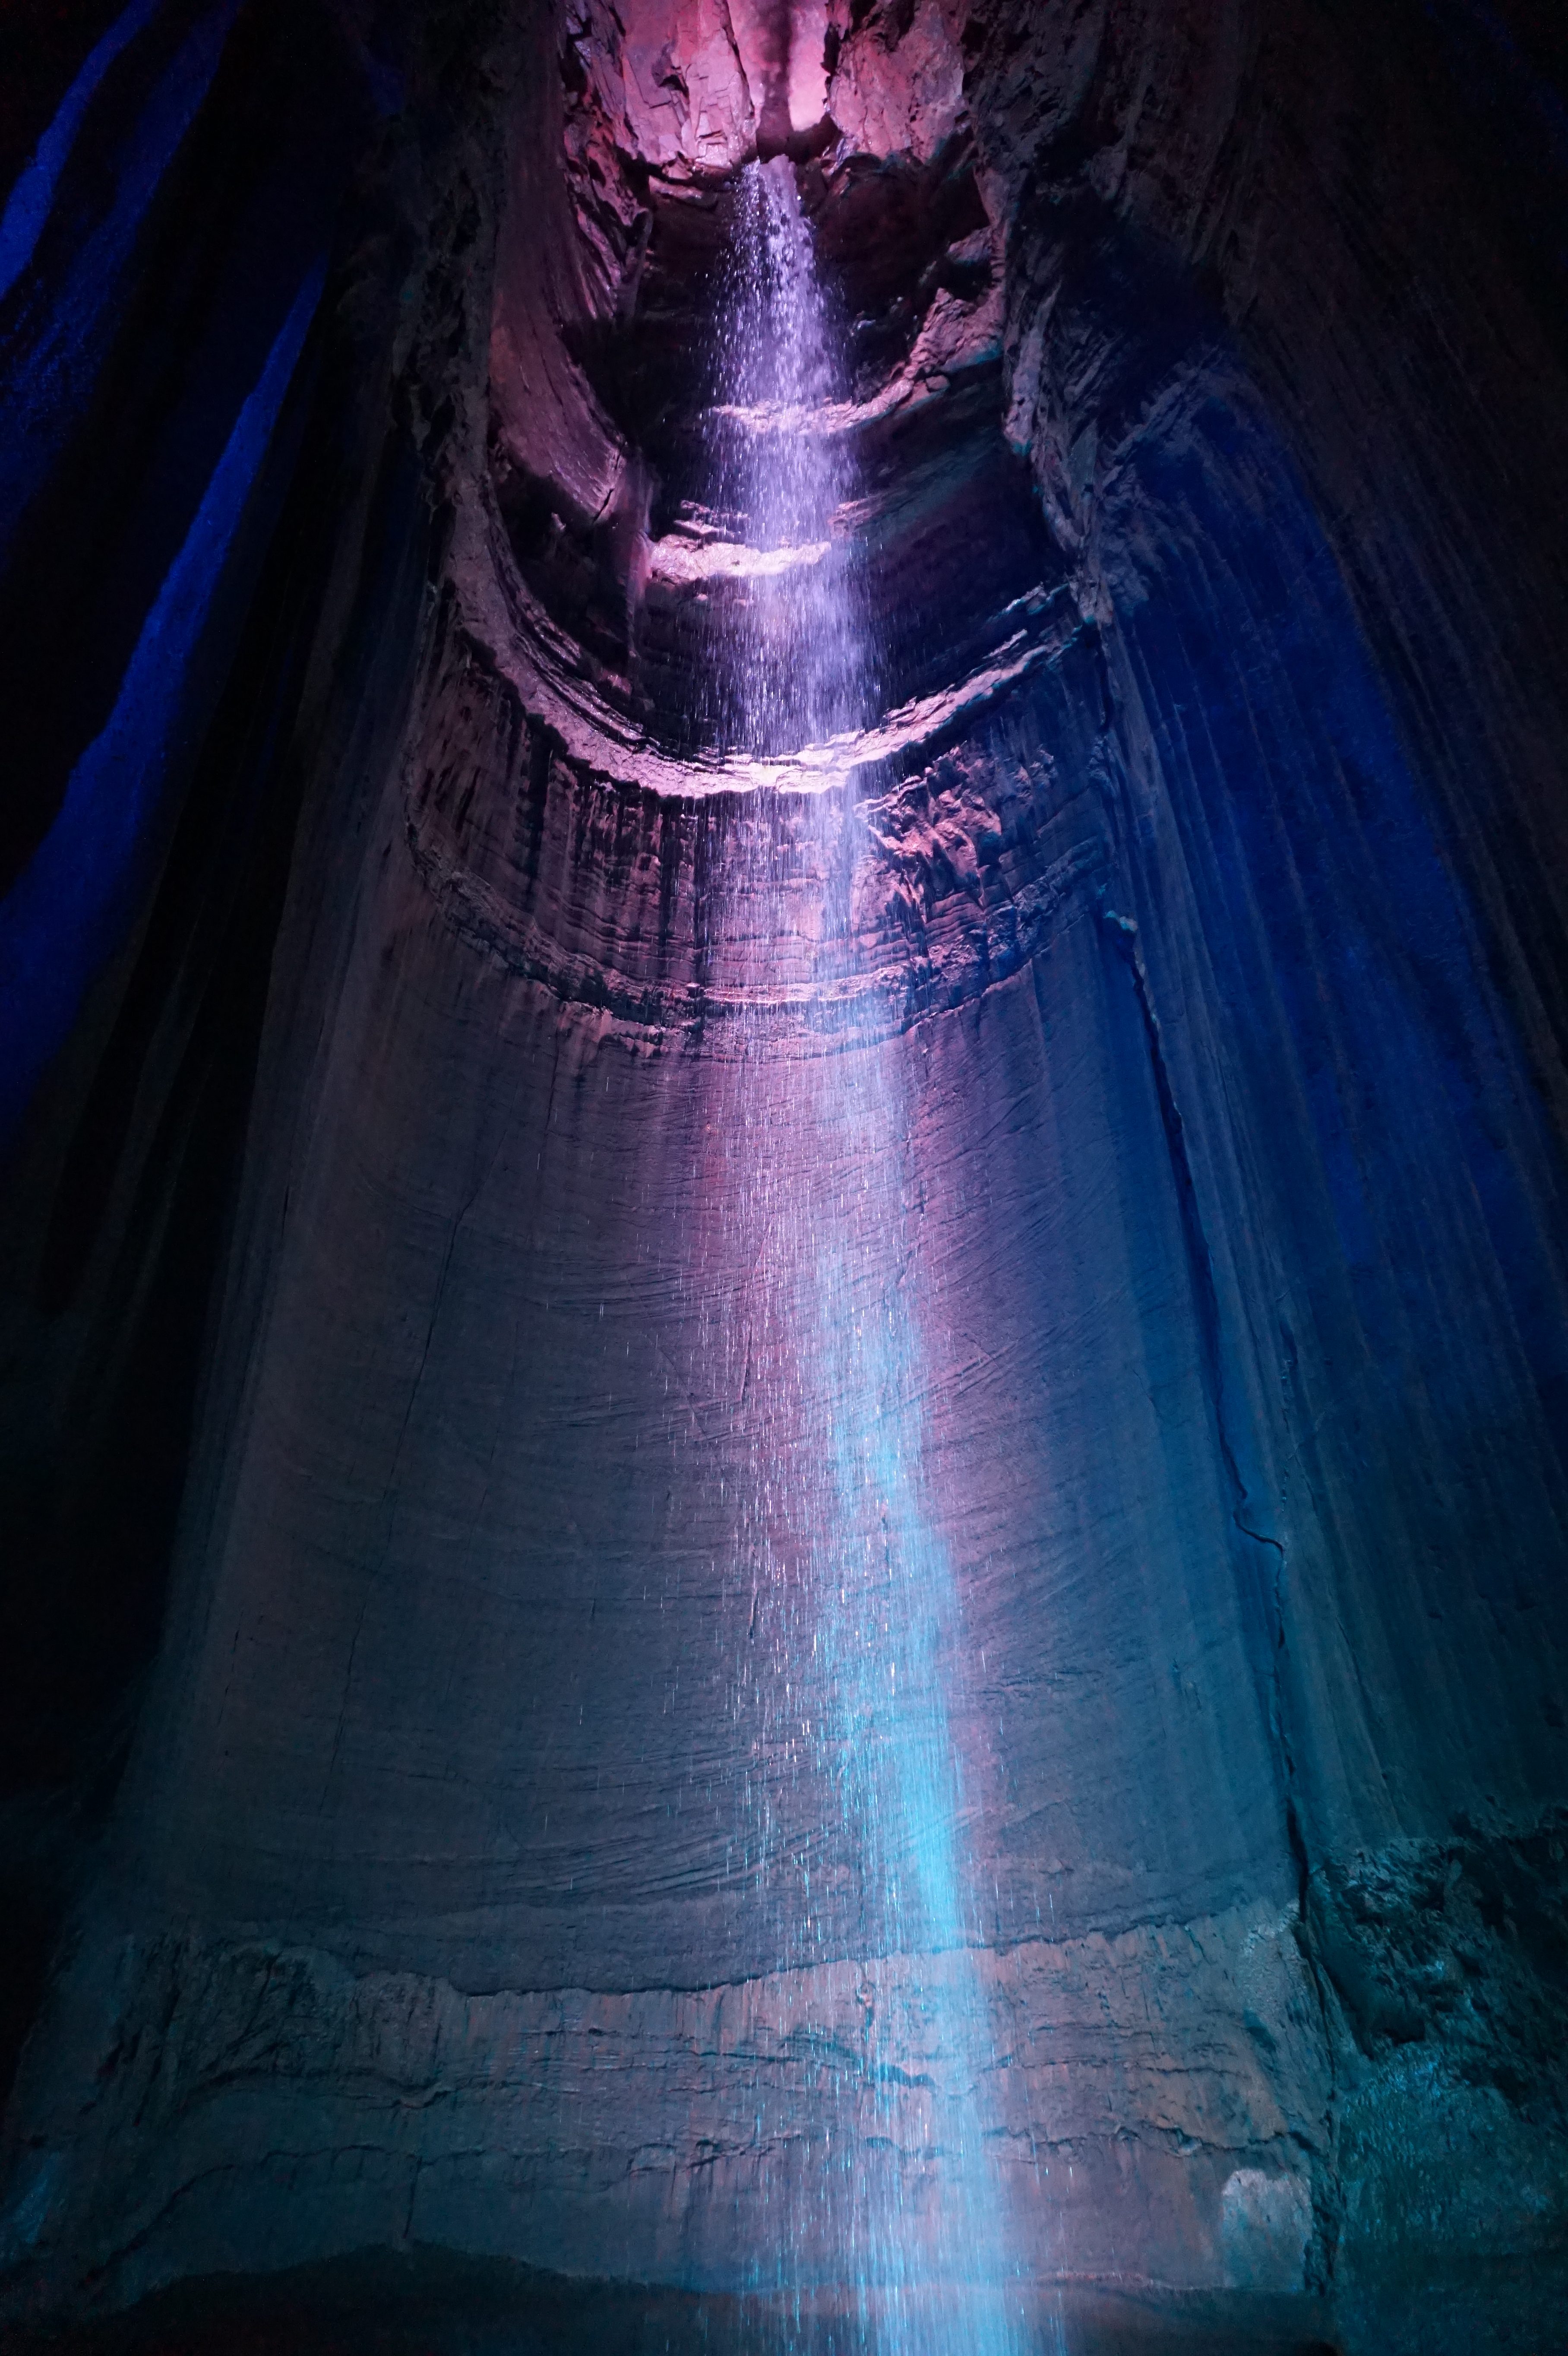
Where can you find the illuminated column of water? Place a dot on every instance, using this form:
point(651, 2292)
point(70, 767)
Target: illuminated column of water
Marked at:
point(796, 673)
point(851, 1691)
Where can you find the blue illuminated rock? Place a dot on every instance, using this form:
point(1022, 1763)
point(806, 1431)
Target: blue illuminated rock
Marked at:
point(1048, 1203)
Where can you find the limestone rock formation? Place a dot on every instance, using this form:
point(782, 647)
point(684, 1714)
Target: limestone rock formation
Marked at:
point(467, 1122)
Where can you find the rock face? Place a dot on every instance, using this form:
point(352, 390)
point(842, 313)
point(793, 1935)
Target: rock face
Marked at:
point(471, 1127)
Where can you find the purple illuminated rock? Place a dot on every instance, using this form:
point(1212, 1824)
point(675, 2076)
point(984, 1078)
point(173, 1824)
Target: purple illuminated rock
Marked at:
point(1194, 900)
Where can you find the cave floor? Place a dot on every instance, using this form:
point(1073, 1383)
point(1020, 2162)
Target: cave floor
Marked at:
point(432, 2304)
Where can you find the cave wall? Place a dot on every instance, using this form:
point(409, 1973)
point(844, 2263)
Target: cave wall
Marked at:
point(1209, 940)
point(169, 519)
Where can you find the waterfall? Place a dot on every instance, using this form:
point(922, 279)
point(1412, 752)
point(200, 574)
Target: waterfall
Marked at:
point(797, 668)
point(852, 1658)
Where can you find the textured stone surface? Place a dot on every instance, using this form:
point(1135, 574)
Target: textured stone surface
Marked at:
point(553, 2125)
point(1197, 904)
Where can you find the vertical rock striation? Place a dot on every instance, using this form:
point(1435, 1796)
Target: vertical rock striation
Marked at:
point(399, 1796)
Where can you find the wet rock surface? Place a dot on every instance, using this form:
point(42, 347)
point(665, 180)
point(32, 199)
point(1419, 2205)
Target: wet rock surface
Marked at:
point(396, 2303)
point(392, 1206)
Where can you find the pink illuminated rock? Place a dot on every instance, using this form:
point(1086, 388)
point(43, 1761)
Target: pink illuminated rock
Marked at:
point(1083, 1140)
point(904, 97)
point(684, 83)
point(782, 49)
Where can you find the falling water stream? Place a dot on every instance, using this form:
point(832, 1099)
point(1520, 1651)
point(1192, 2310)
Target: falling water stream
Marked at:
point(857, 1685)
point(797, 670)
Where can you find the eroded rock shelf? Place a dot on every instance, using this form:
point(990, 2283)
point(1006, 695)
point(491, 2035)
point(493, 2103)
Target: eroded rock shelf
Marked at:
point(396, 1920)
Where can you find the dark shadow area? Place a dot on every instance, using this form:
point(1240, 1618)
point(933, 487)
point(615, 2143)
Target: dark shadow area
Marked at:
point(432, 2303)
